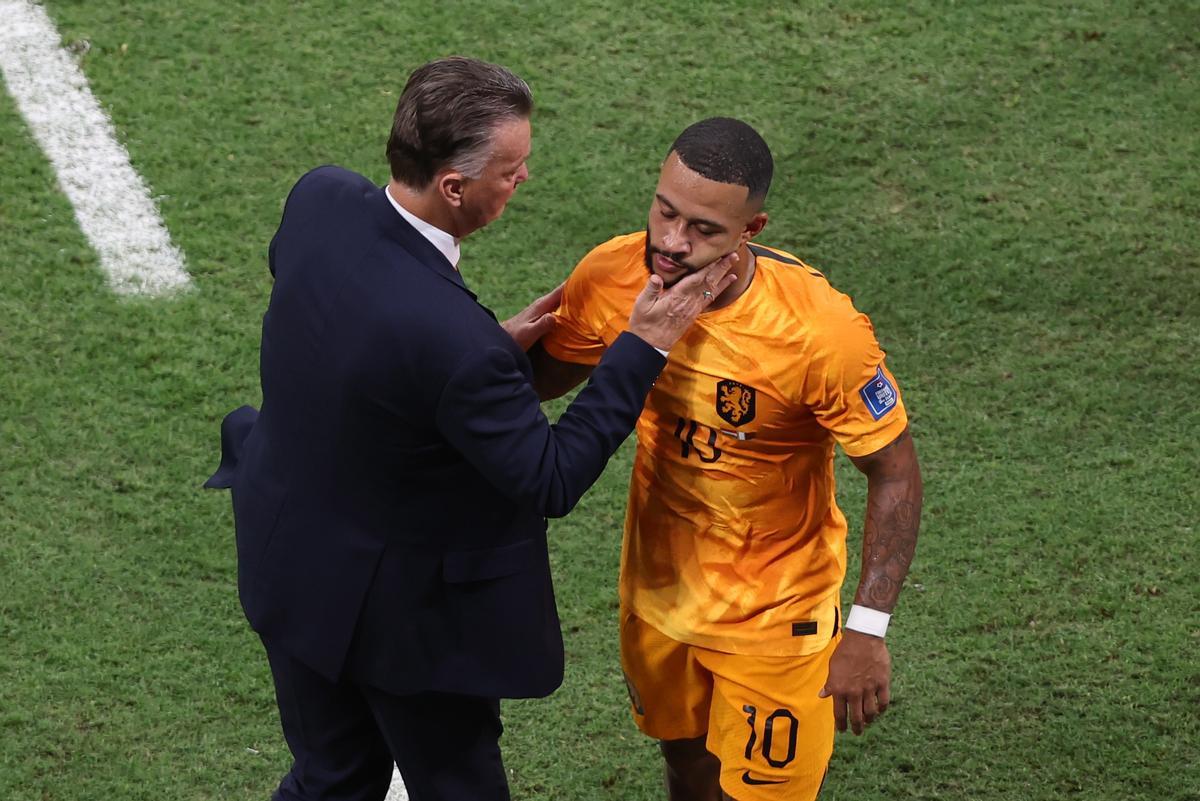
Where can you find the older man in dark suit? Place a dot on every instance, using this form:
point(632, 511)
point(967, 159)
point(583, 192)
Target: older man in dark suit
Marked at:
point(390, 497)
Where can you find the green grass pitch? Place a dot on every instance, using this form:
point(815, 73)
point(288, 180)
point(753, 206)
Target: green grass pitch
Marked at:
point(1010, 190)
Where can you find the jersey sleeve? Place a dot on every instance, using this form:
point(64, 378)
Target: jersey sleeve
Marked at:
point(579, 319)
point(849, 388)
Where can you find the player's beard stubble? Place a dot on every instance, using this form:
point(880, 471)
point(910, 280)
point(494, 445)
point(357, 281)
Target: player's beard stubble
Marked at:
point(648, 258)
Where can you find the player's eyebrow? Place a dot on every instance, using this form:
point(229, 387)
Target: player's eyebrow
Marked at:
point(692, 220)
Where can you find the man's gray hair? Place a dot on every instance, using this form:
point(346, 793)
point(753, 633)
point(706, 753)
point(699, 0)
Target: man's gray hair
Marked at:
point(447, 117)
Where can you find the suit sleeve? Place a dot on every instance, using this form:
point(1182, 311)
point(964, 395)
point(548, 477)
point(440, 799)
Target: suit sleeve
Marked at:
point(490, 413)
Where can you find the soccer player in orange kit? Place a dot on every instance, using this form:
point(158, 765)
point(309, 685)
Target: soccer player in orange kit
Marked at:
point(732, 642)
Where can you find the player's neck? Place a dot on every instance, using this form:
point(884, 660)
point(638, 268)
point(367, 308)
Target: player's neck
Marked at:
point(744, 270)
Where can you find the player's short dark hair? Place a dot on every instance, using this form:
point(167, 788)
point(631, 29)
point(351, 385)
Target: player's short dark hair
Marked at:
point(447, 116)
point(729, 151)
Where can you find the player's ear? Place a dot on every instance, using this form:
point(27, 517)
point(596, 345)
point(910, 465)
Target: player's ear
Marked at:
point(450, 187)
point(754, 227)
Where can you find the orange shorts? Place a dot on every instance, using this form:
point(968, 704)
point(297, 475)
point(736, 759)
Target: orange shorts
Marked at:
point(761, 714)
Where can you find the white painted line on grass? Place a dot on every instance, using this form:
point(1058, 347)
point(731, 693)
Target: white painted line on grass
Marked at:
point(112, 202)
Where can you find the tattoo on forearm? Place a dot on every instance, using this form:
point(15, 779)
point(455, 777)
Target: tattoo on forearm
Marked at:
point(889, 545)
point(882, 593)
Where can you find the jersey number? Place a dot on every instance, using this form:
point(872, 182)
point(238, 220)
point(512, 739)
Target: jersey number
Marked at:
point(769, 732)
point(685, 432)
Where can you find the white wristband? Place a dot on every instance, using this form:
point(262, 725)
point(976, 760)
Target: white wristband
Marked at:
point(865, 620)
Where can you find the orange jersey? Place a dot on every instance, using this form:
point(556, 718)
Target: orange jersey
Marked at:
point(733, 539)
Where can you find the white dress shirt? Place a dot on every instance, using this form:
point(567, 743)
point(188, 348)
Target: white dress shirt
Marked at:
point(444, 242)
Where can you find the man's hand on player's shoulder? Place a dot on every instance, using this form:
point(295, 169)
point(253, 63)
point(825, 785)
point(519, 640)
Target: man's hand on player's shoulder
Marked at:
point(535, 320)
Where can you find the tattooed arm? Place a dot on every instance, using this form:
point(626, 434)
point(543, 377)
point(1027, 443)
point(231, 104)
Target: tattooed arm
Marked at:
point(861, 668)
point(893, 514)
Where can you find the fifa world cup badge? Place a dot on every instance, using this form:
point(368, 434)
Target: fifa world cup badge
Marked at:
point(879, 394)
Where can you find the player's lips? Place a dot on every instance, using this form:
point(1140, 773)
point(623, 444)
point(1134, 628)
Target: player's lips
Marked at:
point(663, 264)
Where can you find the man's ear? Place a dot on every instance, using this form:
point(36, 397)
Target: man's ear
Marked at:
point(754, 227)
point(450, 187)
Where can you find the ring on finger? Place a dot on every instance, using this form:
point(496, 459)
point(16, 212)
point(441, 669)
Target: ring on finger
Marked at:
point(708, 295)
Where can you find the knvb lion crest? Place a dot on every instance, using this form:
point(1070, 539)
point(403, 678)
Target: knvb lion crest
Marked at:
point(735, 402)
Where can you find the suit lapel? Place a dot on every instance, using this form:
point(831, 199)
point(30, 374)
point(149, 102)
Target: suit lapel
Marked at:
point(396, 228)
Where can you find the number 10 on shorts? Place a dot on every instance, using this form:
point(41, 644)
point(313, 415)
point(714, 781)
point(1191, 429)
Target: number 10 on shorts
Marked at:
point(772, 730)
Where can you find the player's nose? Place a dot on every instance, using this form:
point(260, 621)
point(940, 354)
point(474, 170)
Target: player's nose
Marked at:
point(674, 240)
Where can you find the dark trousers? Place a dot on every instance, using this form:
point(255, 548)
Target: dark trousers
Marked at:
point(344, 737)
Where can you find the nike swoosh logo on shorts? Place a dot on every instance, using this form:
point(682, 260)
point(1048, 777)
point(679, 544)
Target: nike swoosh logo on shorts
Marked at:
point(748, 779)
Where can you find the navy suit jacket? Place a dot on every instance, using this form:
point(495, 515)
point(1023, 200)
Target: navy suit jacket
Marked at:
point(390, 497)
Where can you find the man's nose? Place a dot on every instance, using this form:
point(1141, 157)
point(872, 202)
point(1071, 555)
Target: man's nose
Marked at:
point(675, 240)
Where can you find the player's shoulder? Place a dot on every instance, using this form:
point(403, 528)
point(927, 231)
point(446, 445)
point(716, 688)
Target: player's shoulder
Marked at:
point(619, 260)
point(799, 284)
point(818, 311)
point(622, 247)
point(787, 268)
